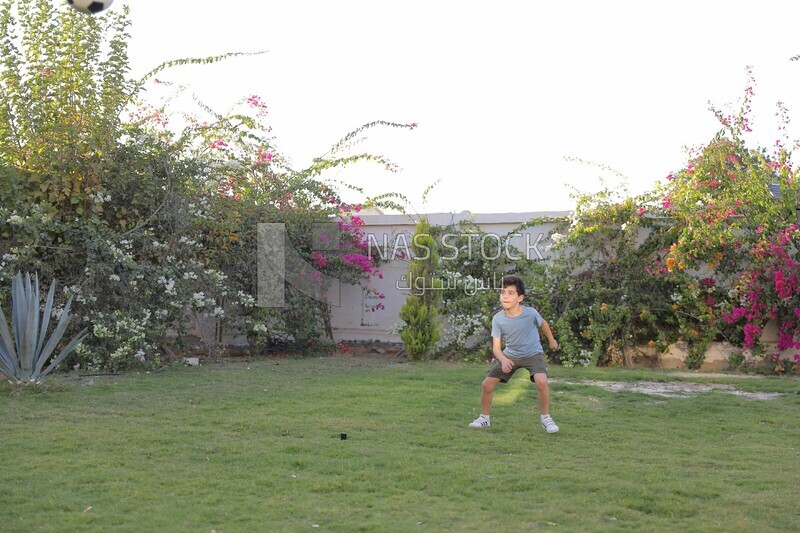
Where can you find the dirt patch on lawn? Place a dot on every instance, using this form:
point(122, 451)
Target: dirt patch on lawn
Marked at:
point(715, 375)
point(678, 389)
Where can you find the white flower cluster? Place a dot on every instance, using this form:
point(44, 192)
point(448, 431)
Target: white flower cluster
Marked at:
point(76, 292)
point(452, 278)
point(733, 292)
point(199, 210)
point(129, 334)
point(83, 351)
point(189, 242)
point(101, 331)
point(464, 325)
point(121, 254)
point(8, 258)
point(216, 276)
point(396, 328)
point(99, 197)
point(37, 214)
point(695, 292)
point(259, 327)
point(583, 359)
point(169, 285)
point(246, 300)
point(56, 312)
point(199, 299)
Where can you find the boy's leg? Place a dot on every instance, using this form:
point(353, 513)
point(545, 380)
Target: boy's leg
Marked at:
point(543, 389)
point(487, 389)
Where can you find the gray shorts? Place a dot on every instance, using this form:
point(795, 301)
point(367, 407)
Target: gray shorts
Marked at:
point(535, 364)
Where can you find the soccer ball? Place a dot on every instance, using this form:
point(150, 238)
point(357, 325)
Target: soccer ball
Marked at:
point(90, 6)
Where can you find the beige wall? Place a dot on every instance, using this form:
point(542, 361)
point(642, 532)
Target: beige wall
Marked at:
point(353, 320)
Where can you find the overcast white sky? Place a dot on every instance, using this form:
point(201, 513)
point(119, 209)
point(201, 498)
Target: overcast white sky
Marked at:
point(502, 91)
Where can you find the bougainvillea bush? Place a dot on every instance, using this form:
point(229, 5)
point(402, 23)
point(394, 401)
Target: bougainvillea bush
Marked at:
point(147, 215)
point(730, 224)
point(607, 293)
point(712, 255)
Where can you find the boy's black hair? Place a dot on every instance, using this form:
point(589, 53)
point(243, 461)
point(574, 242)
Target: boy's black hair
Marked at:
point(517, 282)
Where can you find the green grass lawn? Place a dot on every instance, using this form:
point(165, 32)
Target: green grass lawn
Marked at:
point(256, 447)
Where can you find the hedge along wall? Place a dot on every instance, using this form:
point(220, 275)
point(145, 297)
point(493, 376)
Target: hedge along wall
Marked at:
point(363, 315)
point(369, 312)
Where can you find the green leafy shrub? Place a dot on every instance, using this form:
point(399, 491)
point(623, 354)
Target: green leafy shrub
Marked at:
point(711, 255)
point(420, 312)
point(728, 224)
point(736, 360)
point(471, 275)
point(151, 226)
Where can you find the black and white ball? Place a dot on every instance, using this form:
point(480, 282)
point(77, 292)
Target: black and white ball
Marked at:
point(90, 6)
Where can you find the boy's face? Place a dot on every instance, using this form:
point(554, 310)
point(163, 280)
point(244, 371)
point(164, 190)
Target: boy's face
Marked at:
point(509, 297)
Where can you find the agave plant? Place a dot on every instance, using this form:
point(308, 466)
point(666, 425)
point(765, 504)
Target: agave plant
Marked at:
point(23, 359)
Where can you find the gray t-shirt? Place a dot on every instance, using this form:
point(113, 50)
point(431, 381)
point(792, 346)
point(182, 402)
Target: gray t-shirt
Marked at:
point(519, 333)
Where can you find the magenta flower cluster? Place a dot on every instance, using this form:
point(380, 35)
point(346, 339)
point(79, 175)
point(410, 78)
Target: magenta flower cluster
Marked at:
point(771, 290)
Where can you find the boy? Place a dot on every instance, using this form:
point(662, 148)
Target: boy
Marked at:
point(519, 327)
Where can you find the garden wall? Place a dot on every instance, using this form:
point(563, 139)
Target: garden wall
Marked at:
point(354, 319)
point(369, 313)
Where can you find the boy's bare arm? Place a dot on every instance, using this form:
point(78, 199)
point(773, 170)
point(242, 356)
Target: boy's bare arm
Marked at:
point(497, 350)
point(549, 334)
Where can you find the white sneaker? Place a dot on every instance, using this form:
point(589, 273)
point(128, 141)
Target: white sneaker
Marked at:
point(480, 422)
point(548, 424)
